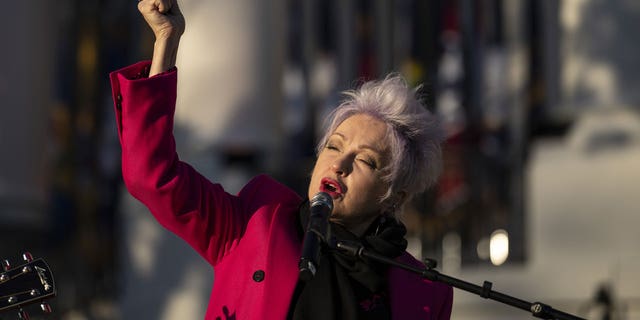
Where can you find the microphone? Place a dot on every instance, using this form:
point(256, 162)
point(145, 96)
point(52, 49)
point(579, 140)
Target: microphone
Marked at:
point(321, 205)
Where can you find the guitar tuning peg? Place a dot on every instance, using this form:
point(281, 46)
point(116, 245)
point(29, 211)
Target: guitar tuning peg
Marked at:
point(6, 265)
point(27, 257)
point(46, 308)
point(23, 315)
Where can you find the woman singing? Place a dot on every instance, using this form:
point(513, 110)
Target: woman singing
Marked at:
point(381, 147)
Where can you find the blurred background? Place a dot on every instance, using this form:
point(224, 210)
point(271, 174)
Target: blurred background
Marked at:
point(539, 99)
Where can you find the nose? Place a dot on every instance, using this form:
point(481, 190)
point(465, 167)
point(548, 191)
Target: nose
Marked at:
point(341, 165)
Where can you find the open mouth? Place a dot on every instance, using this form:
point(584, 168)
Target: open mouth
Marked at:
point(331, 187)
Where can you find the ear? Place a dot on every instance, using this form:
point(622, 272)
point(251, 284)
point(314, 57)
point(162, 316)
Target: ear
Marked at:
point(396, 201)
point(399, 198)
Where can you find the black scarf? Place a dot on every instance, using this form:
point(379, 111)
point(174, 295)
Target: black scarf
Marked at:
point(347, 287)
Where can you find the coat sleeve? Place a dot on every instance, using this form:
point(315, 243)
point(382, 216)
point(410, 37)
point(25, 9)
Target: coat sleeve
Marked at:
point(183, 201)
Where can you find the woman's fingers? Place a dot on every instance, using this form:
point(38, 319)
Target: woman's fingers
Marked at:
point(161, 6)
point(163, 16)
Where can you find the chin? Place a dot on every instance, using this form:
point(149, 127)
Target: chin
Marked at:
point(336, 218)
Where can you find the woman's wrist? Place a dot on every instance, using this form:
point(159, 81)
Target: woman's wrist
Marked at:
point(165, 50)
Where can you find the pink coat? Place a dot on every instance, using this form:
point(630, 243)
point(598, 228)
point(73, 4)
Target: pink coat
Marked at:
point(250, 239)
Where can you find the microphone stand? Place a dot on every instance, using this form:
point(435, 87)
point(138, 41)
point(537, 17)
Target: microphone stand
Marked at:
point(537, 309)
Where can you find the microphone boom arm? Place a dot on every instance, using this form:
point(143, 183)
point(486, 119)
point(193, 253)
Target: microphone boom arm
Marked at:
point(537, 309)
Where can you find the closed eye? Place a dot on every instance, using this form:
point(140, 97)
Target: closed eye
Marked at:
point(331, 147)
point(371, 164)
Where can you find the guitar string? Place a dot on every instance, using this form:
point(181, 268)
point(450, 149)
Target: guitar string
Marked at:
point(12, 278)
point(28, 292)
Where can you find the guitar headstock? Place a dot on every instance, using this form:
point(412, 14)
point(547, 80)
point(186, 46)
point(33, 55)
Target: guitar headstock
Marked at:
point(28, 283)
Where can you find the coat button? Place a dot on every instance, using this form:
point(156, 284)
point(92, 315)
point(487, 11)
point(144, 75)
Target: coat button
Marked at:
point(258, 276)
point(119, 101)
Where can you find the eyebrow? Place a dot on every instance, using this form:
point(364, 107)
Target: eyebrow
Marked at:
point(362, 146)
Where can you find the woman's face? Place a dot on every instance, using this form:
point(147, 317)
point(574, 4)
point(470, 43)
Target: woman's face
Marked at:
point(349, 169)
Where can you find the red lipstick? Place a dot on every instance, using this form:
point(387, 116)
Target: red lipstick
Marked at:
point(332, 187)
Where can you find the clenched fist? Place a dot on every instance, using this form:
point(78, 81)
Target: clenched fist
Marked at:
point(167, 23)
point(164, 17)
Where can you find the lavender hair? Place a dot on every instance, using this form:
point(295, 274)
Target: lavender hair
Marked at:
point(413, 133)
